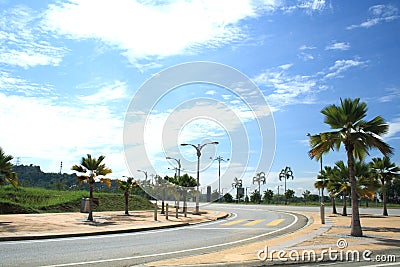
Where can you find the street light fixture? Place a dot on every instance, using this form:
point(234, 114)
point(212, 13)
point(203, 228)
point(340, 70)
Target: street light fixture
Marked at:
point(286, 174)
point(219, 158)
point(179, 165)
point(198, 148)
point(259, 178)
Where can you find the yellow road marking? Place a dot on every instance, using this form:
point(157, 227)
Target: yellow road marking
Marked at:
point(253, 223)
point(275, 222)
point(233, 222)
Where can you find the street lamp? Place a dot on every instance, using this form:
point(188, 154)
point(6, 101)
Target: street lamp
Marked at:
point(259, 178)
point(198, 148)
point(286, 174)
point(219, 158)
point(179, 165)
point(278, 193)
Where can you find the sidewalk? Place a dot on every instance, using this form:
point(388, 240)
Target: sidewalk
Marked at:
point(47, 225)
point(381, 234)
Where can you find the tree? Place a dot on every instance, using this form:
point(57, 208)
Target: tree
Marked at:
point(339, 183)
point(323, 181)
point(228, 198)
point(306, 195)
point(95, 169)
point(268, 195)
point(126, 186)
point(255, 197)
point(6, 173)
point(384, 170)
point(289, 194)
point(357, 135)
point(185, 182)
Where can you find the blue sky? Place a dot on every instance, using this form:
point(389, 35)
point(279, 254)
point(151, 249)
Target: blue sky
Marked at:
point(69, 70)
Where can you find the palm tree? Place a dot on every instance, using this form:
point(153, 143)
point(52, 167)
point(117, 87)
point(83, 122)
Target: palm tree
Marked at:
point(357, 136)
point(95, 169)
point(6, 173)
point(322, 183)
point(339, 183)
point(127, 185)
point(384, 171)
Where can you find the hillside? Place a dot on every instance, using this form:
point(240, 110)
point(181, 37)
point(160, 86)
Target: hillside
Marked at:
point(39, 200)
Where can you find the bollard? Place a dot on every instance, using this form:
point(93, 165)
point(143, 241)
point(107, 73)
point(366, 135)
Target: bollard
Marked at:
point(176, 212)
point(185, 211)
point(166, 211)
point(322, 212)
point(155, 211)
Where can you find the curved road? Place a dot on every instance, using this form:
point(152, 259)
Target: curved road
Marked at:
point(246, 224)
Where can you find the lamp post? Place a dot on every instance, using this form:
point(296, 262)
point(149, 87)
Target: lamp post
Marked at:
point(286, 174)
point(278, 193)
point(198, 148)
point(219, 159)
point(179, 165)
point(259, 178)
point(247, 198)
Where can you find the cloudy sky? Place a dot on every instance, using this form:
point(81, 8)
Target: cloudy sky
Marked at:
point(70, 69)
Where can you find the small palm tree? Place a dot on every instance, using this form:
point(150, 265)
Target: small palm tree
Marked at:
point(92, 168)
point(384, 171)
point(6, 173)
point(322, 183)
point(357, 136)
point(339, 183)
point(127, 185)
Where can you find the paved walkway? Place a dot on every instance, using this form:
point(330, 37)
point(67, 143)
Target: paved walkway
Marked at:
point(380, 234)
point(36, 226)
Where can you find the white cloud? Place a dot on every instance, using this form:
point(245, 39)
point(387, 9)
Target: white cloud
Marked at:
point(379, 14)
point(305, 47)
point(108, 92)
point(17, 85)
point(23, 42)
point(211, 92)
point(41, 129)
point(338, 46)
point(391, 94)
point(341, 66)
point(287, 89)
point(145, 30)
point(394, 130)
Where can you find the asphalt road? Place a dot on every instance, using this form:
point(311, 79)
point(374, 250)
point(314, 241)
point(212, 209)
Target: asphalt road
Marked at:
point(248, 223)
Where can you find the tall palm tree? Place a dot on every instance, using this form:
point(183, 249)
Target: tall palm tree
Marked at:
point(127, 185)
point(357, 135)
point(384, 170)
point(6, 173)
point(92, 168)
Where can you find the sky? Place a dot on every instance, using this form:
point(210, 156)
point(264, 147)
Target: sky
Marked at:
point(74, 74)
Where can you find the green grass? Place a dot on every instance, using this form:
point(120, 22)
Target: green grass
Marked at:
point(38, 200)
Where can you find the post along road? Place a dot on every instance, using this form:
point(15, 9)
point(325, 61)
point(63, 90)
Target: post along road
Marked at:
point(248, 223)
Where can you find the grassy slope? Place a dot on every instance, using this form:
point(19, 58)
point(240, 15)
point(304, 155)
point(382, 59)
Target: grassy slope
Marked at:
point(37, 200)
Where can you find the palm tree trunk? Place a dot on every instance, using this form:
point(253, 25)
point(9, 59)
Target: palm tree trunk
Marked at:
point(333, 205)
point(344, 211)
point(184, 200)
point(356, 229)
point(90, 216)
point(385, 212)
point(126, 203)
